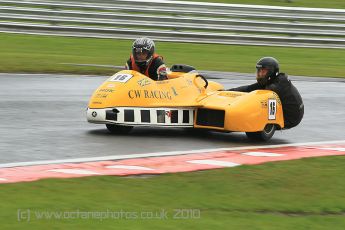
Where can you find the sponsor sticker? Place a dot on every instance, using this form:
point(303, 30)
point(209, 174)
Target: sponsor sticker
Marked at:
point(151, 94)
point(106, 90)
point(264, 104)
point(144, 82)
point(168, 114)
point(101, 95)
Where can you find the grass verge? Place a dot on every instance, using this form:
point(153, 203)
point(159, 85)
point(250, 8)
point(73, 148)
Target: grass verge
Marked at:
point(44, 54)
point(300, 194)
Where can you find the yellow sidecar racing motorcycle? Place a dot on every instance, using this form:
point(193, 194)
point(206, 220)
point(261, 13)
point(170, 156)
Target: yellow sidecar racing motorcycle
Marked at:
point(187, 99)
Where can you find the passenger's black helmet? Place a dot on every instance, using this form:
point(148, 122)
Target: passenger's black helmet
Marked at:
point(269, 63)
point(143, 45)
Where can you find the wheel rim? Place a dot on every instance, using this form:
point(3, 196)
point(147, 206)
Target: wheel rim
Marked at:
point(269, 129)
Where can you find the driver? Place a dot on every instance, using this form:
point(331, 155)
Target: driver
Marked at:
point(269, 77)
point(144, 60)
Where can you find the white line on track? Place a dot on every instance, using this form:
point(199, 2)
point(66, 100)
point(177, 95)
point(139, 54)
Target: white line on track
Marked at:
point(214, 162)
point(335, 149)
point(74, 171)
point(159, 154)
point(262, 154)
point(127, 167)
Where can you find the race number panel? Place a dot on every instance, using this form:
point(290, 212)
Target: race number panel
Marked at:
point(272, 109)
point(121, 77)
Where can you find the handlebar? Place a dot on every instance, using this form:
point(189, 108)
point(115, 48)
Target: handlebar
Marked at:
point(203, 78)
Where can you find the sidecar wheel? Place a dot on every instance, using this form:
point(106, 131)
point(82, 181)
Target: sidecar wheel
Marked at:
point(119, 129)
point(263, 135)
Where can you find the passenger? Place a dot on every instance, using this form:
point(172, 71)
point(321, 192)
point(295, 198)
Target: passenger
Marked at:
point(269, 77)
point(144, 60)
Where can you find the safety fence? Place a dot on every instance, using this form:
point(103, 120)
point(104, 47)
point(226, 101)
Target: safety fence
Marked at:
point(179, 21)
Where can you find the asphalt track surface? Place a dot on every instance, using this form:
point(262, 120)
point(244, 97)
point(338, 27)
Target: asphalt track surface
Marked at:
point(43, 118)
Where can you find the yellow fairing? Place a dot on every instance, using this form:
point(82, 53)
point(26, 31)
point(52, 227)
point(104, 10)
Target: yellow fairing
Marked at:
point(212, 109)
point(130, 88)
point(246, 112)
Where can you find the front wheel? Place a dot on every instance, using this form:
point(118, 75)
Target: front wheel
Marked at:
point(119, 129)
point(196, 131)
point(263, 135)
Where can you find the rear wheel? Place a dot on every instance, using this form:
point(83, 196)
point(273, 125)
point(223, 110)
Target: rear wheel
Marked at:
point(263, 135)
point(119, 129)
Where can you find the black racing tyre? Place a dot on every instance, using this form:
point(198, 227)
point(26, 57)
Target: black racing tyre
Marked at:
point(119, 129)
point(263, 135)
point(196, 131)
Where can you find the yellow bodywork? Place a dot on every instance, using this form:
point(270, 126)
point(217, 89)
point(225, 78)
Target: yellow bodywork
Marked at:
point(245, 112)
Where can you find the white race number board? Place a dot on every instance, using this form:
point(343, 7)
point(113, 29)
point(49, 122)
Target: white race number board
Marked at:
point(121, 77)
point(272, 109)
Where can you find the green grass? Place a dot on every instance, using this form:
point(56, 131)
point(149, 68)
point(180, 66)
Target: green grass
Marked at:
point(43, 54)
point(301, 194)
point(300, 3)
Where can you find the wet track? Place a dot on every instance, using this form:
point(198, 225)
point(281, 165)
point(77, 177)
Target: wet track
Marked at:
point(43, 118)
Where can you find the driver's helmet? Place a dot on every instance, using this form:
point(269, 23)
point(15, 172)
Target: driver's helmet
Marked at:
point(143, 46)
point(269, 63)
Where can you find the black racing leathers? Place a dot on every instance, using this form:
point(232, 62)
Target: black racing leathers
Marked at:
point(156, 70)
point(292, 103)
